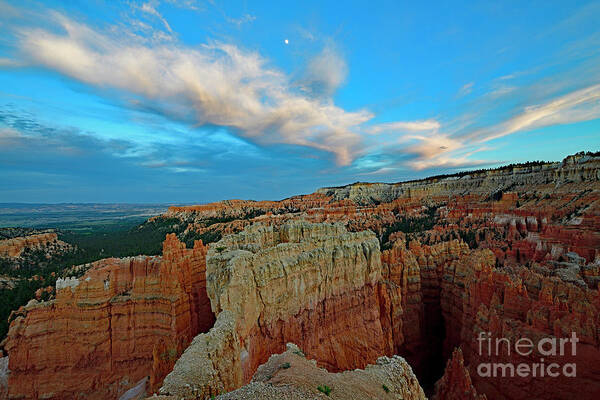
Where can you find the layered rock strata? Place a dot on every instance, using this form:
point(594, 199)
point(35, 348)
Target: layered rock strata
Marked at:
point(579, 169)
point(123, 320)
point(535, 212)
point(291, 375)
point(313, 283)
point(413, 277)
point(452, 295)
point(480, 299)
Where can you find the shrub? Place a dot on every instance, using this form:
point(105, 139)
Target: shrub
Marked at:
point(299, 353)
point(324, 389)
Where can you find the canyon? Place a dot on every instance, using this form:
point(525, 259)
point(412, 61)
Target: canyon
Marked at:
point(370, 290)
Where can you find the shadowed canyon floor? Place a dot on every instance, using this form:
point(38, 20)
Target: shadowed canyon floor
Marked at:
point(370, 282)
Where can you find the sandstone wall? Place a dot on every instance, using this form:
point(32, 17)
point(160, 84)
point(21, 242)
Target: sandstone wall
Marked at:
point(316, 284)
point(123, 320)
point(481, 298)
point(449, 293)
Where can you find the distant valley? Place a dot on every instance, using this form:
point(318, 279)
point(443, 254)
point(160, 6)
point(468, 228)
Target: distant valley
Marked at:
point(82, 217)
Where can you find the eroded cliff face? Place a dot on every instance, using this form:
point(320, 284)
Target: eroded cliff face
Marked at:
point(292, 375)
point(272, 284)
point(578, 169)
point(413, 278)
point(123, 320)
point(311, 283)
point(450, 295)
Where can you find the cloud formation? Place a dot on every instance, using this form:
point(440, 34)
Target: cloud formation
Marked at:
point(46, 162)
point(447, 160)
point(325, 73)
point(440, 150)
point(433, 149)
point(405, 126)
point(579, 105)
point(223, 84)
point(246, 18)
point(9, 137)
point(150, 8)
point(466, 89)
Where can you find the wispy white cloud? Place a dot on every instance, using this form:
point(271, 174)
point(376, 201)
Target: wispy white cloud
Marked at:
point(381, 171)
point(186, 4)
point(325, 73)
point(466, 89)
point(9, 62)
point(440, 150)
point(501, 90)
point(432, 146)
point(223, 84)
point(576, 106)
point(506, 77)
point(462, 161)
point(404, 126)
point(306, 34)
point(246, 18)
point(150, 8)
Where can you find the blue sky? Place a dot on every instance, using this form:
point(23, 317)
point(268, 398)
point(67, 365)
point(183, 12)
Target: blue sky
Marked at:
point(193, 101)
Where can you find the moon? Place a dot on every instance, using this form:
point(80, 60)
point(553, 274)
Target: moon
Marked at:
point(286, 41)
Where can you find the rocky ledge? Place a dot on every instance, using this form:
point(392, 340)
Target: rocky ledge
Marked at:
point(47, 242)
point(291, 375)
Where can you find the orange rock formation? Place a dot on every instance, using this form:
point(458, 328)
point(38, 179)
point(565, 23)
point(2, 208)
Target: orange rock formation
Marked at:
point(123, 320)
point(456, 383)
point(310, 282)
point(14, 247)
